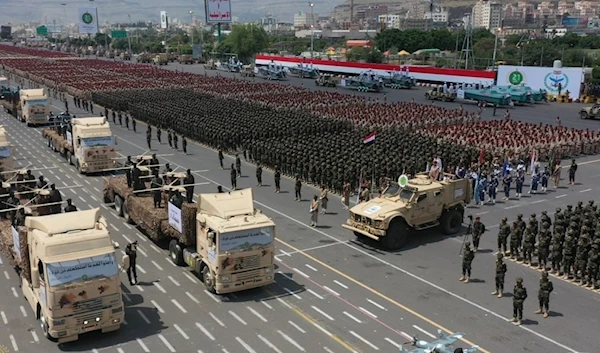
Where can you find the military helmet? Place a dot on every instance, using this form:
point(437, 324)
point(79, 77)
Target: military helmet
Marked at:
point(504, 219)
point(569, 207)
point(579, 203)
point(544, 274)
point(499, 255)
point(519, 216)
point(520, 280)
point(558, 210)
point(546, 212)
point(533, 215)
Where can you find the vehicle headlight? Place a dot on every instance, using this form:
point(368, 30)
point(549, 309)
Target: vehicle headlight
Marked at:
point(377, 223)
point(225, 278)
point(85, 322)
point(97, 319)
point(58, 322)
point(117, 310)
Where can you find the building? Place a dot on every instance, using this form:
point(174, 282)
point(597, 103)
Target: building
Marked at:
point(486, 14)
point(304, 20)
point(389, 21)
point(437, 15)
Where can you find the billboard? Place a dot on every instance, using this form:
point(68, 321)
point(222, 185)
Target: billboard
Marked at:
point(570, 21)
point(218, 11)
point(88, 20)
point(5, 32)
point(164, 21)
point(548, 78)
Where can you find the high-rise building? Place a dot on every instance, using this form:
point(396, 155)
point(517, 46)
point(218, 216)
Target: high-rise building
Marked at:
point(486, 14)
point(304, 20)
point(390, 21)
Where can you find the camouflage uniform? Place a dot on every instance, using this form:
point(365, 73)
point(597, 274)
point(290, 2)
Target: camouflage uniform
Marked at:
point(528, 244)
point(519, 296)
point(516, 236)
point(544, 246)
point(583, 248)
point(592, 267)
point(500, 273)
point(568, 253)
point(468, 257)
point(503, 233)
point(546, 288)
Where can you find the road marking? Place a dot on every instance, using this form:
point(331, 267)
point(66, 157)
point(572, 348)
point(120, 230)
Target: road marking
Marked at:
point(482, 213)
point(170, 261)
point(217, 320)
point(327, 350)
point(140, 269)
point(269, 344)
point(141, 251)
point(257, 314)
point(126, 297)
point(296, 327)
point(245, 345)
point(312, 268)
point(322, 312)
point(126, 238)
point(181, 332)
point(190, 278)
point(174, 281)
point(237, 317)
point(140, 236)
point(560, 196)
point(155, 248)
point(284, 253)
point(142, 344)
point(538, 201)
point(292, 293)
point(364, 340)
point(160, 288)
point(82, 199)
point(286, 276)
point(14, 343)
point(340, 284)
point(96, 189)
point(423, 331)
point(128, 226)
point(315, 294)
point(157, 265)
point(301, 273)
point(205, 331)
point(212, 296)
point(266, 304)
point(397, 345)
point(164, 340)
point(332, 291)
point(316, 247)
point(192, 297)
point(4, 319)
point(120, 350)
point(367, 312)
point(290, 340)
point(140, 313)
point(14, 291)
point(513, 206)
point(6, 275)
point(87, 181)
point(176, 303)
point(352, 317)
point(586, 190)
point(114, 227)
point(23, 311)
point(377, 305)
point(157, 306)
point(35, 336)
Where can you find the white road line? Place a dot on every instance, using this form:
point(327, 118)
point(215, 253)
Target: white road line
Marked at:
point(174, 281)
point(586, 190)
point(513, 206)
point(367, 312)
point(160, 288)
point(266, 304)
point(217, 319)
point(376, 304)
point(301, 273)
point(257, 314)
point(126, 238)
point(176, 303)
point(284, 253)
point(96, 189)
point(14, 343)
point(140, 313)
point(87, 182)
point(296, 327)
point(322, 312)
point(190, 278)
point(192, 297)
point(155, 248)
point(14, 291)
point(128, 226)
point(140, 268)
point(332, 291)
point(164, 340)
point(205, 331)
point(237, 317)
point(170, 261)
point(245, 345)
point(157, 265)
point(364, 340)
point(284, 275)
point(327, 350)
point(423, 331)
point(157, 306)
point(6, 275)
point(23, 311)
point(212, 296)
point(269, 344)
point(352, 317)
point(340, 284)
point(1, 263)
point(397, 345)
point(141, 251)
point(292, 293)
point(126, 297)
point(181, 332)
point(82, 199)
point(314, 293)
point(560, 196)
point(139, 235)
point(120, 350)
point(35, 336)
point(114, 227)
point(4, 319)
point(538, 201)
point(482, 213)
point(290, 340)
point(312, 268)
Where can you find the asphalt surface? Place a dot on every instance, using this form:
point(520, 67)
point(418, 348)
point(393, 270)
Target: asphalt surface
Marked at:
point(334, 293)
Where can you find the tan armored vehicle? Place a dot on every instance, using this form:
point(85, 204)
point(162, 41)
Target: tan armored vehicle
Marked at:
point(35, 106)
point(125, 56)
point(327, 81)
point(439, 95)
point(247, 71)
point(210, 65)
point(592, 112)
point(411, 205)
point(144, 58)
point(6, 152)
point(161, 59)
point(185, 59)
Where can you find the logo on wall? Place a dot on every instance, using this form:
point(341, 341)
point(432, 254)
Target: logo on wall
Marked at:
point(87, 18)
point(516, 78)
point(554, 78)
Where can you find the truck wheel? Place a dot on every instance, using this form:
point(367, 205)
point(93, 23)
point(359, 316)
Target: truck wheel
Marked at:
point(119, 205)
point(583, 115)
point(176, 253)
point(396, 236)
point(45, 327)
point(452, 221)
point(427, 96)
point(126, 213)
point(208, 279)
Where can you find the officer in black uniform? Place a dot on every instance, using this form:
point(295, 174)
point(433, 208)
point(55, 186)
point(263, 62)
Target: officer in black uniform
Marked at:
point(184, 144)
point(135, 176)
point(221, 157)
point(233, 175)
point(149, 137)
point(70, 207)
point(158, 133)
point(156, 183)
point(127, 121)
point(277, 176)
point(189, 188)
point(134, 125)
point(41, 183)
point(259, 174)
point(128, 163)
point(175, 144)
point(55, 196)
point(131, 251)
point(154, 163)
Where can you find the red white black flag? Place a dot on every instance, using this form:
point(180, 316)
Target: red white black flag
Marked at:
point(370, 138)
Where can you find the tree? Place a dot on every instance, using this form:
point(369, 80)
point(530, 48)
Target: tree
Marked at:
point(247, 40)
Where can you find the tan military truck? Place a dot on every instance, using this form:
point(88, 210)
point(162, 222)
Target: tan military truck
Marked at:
point(247, 71)
point(35, 106)
point(144, 58)
point(327, 81)
point(125, 56)
point(6, 152)
point(439, 95)
point(185, 59)
point(69, 272)
point(411, 205)
point(160, 59)
point(210, 65)
point(592, 112)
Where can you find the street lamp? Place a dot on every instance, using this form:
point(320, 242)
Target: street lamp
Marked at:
point(312, 29)
point(496, 32)
point(192, 24)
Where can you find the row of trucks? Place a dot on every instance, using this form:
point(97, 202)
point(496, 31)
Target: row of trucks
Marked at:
point(30, 106)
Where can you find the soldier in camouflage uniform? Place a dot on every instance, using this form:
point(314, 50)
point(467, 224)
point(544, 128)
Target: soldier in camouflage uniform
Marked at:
point(468, 256)
point(556, 255)
point(503, 233)
point(581, 255)
point(544, 245)
point(528, 244)
point(546, 219)
point(546, 288)
point(478, 230)
point(500, 274)
point(593, 265)
point(516, 236)
point(519, 296)
point(568, 253)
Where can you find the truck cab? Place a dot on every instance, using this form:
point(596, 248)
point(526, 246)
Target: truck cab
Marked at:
point(93, 145)
point(161, 59)
point(6, 152)
point(35, 106)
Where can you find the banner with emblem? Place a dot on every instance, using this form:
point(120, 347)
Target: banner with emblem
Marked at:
point(550, 79)
point(88, 20)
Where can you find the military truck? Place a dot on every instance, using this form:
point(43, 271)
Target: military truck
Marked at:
point(35, 106)
point(144, 58)
point(185, 59)
point(87, 143)
point(210, 65)
point(110, 54)
point(69, 272)
point(160, 59)
point(411, 205)
point(6, 152)
point(247, 71)
point(327, 81)
point(592, 112)
point(439, 95)
point(125, 56)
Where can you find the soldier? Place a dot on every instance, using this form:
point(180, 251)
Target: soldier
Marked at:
point(154, 163)
point(70, 207)
point(134, 125)
point(184, 144)
point(238, 165)
point(593, 265)
point(41, 183)
point(175, 143)
point(259, 174)
point(129, 262)
point(572, 170)
point(170, 139)
point(503, 233)
point(543, 246)
point(127, 121)
point(298, 188)
point(12, 202)
point(314, 211)
point(323, 199)
point(492, 189)
point(568, 253)
point(135, 176)
point(468, 256)
point(515, 240)
point(189, 188)
point(546, 219)
point(500, 274)
point(220, 156)
point(156, 184)
point(158, 134)
point(506, 181)
point(519, 296)
point(177, 199)
point(556, 175)
point(534, 224)
point(55, 197)
point(346, 195)
point(120, 119)
point(128, 163)
point(233, 175)
point(528, 245)
point(520, 180)
point(581, 257)
point(478, 230)
point(149, 137)
point(546, 288)
point(556, 254)
point(277, 176)
point(520, 222)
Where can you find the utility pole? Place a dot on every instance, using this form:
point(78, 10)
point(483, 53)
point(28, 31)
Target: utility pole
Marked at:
point(312, 29)
point(495, 46)
point(64, 6)
point(128, 37)
point(192, 25)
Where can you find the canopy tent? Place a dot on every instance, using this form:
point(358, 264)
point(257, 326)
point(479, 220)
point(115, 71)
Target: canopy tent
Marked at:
point(331, 52)
point(403, 53)
point(331, 49)
point(359, 43)
point(427, 51)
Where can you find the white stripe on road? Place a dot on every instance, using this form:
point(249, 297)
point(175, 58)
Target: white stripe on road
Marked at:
point(160, 288)
point(312, 268)
point(114, 227)
point(6, 275)
point(332, 291)
point(14, 291)
point(157, 306)
point(190, 278)
point(143, 316)
point(327, 350)
point(560, 196)
point(245, 345)
point(23, 311)
point(192, 297)
point(141, 269)
point(301, 273)
point(364, 340)
point(368, 312)
point(205, 331)
point(14, 343)
point(292, 293)
point(126, 238)
point(4, 319)
point(35, 336)
point(157, 265)
point(340, 284)
point(322, 312)
point(586, 190)
point(87, 182)
point(352, 317)
point(269, 344)
point(176, 303)
point(174, 281)
point(217, 319)
point(257, 314)
point(315, 293)
point(126, 297)
point(290, 340)
point(212, 296)
point(82, 199)
point(237, 317)
point(266, 304)
point(425, 332)
point(397, 345)
point(164, 340)
point(377, 305)
point(296, 326)
point(284, 275)
point(181, 332)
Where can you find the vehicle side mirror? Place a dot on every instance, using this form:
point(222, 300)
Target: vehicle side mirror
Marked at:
point(35, 278)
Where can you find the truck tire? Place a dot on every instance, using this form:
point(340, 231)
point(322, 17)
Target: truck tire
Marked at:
point(396, 235)
point(176, 252)
point(208, 279)
point(44, 326)
point(452, 221)
point(119, 205)
point(427, 96)
point(126, 213)
point(583, 115)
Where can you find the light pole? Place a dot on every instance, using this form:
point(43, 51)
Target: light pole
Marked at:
point(192, 25)
point(496, 32)
point(64, 6)
point(312, 29)
point(128, 37)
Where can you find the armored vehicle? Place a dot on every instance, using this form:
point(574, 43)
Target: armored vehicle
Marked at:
point(439, 94)
point(144, 58)
point(327, 81)
point(248, 71)
point(185, 59)
point(590, 112)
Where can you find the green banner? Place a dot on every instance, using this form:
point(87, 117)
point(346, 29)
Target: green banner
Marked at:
point(118, 34)
point(42, 31)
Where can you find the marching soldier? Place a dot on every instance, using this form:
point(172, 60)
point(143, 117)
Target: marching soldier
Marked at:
point(220, 156)
point(129, 262)
point(546, 288)
point(277, 177)
point(127, 121)
point(149, 137)
point(314, 211)
point(189, 187)
point(233, 175)
point(70, 207)
point(503, 234)
point(120, 119)
point(129, 163)
point(468, 257)
point(568, 253)
point(500, 274)
point(298, 188)
point(238, 165)
point(134, 125)
point(158, 133)
point(556, 175)
point(478, 230)
point(175, 143)
point(258, 174)
point(170, 138)
point(544, 246)
point(184, 144)
point(156, 184)
point(519, 296)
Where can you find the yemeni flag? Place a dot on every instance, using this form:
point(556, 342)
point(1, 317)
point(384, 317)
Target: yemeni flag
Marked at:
point(370, 138)
point(482, 156)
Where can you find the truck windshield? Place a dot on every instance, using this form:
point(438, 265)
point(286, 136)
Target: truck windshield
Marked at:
point(103, 141)
point(395, 190)
point(85, 269)
point(245, 239)
point(5, 152)
point(37, 102)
